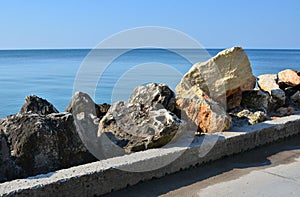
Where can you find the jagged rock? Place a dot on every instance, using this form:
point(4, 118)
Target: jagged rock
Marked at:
point(268, 83)
point(37, 105)
point(44, 143)
point(219, 77)
point(253, 117)
point(141, 123)
point(87, 116)
point(83, 100)
point(255, 99)
point(155, 95)
point(285, 111)
point(289, 77)
point(208, 115)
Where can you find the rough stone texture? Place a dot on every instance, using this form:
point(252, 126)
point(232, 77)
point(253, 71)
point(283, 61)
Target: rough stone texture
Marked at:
point(101, 177)
point(268, 83)
point(44, 143)
point(285, 111)
point(155, 95)
point(219, 77)
point(37, 105)
point(289, 77)
point(83, 100)
point(253, 117)
point(134, 127)
point(256, 99)
point(144, 121)
point(87, 116)
point(296, 98)
point(8, 169)
point(208, 115)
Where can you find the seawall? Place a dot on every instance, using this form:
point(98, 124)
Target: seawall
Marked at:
point(116, 173)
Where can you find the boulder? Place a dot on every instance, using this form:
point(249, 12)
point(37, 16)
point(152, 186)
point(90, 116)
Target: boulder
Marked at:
point(268, 83)
point(219, 77)
point(143, 121)
point(82, 101)
point(208, 115)
point(41, 144)
point(87, 116)
point(37, 105)
point(255, 99)
point(289, 77)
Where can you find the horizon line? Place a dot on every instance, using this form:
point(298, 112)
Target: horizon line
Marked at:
point(86, 48)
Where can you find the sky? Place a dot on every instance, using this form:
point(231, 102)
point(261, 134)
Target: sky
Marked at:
point(27, 24)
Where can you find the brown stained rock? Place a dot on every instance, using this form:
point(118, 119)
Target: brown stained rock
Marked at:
point(268, 83)
point(209, 116)
point(289, 77)
point(219, 77)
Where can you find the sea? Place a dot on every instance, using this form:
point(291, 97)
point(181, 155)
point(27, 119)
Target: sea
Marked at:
point(109, 75)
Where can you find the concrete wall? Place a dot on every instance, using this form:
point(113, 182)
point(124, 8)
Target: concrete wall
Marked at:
point(116, 173)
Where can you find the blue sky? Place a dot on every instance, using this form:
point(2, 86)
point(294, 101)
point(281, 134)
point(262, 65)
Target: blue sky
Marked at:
point(84, 23)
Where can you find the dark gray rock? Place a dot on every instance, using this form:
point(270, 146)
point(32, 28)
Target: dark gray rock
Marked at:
point(256, 99)
point(37, 105)
point(42, 144)
point(8, 169)
point(296, 98)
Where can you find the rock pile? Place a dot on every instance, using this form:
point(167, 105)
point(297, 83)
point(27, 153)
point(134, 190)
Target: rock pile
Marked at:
point(211, 97)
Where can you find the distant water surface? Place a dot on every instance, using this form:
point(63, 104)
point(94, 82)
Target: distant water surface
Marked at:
point(51, 73)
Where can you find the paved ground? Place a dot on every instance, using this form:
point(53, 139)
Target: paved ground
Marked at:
point(272, 170)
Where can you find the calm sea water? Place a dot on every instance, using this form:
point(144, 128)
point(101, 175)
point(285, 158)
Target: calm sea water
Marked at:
point(51, 73)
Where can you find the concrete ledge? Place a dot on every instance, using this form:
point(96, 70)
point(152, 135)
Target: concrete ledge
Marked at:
point(116, 173)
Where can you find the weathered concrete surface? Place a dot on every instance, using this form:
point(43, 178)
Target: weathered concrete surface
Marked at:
point(103, 176)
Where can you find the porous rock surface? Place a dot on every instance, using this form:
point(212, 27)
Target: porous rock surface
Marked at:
point(144, 121)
